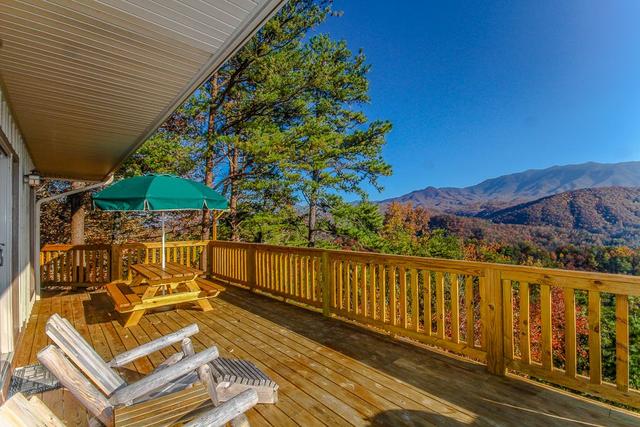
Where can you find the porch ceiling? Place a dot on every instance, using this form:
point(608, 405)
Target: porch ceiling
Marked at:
point(88, 82)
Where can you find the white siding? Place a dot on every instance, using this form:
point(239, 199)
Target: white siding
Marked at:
point(26, 280)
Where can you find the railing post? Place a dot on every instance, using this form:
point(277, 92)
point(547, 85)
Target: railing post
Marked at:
point(251, 266)
point(206, 259)
point(493, 321)
point(326, 283)
point(116, 263)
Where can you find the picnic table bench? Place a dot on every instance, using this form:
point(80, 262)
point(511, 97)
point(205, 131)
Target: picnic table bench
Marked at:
point(161, 287)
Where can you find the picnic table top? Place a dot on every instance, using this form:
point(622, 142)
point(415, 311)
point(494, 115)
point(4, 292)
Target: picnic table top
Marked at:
point(172, 270)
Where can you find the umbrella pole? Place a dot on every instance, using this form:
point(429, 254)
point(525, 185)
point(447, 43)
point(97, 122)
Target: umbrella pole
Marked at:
point(163, 250)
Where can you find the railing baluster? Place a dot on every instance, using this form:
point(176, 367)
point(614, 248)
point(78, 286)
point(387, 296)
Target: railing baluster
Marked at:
point(415, 302)
point(507, 311)
point(337, 303)
point(545, 313)
point(439, 305)
point(289, 289)
point(283, 273)
point(622, 343)
point(525, 331)
point(355, 288)
point(393, 303)
point(71, 259)
point(349, 284)
point(314, 281)
point(81, 270)
point(382, 283)
point(303, 276)
point(402, 279)
point(469, 311)
point(455, 308)
point(595, 352)
point(93, 267)
point(570, 332)
point(365, 296)
point(373, 296)
point(428, 326)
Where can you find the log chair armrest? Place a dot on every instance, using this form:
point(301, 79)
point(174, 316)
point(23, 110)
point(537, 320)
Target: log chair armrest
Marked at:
point(169, 361)
point(126, 395)
point(155, 345)
point(229, 410)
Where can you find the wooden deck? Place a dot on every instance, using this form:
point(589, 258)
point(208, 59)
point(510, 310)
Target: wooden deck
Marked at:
point(329, 372)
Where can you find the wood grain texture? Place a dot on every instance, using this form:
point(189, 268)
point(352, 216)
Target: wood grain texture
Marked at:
point(329, 373)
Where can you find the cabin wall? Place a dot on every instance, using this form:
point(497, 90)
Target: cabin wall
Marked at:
point(17, 284)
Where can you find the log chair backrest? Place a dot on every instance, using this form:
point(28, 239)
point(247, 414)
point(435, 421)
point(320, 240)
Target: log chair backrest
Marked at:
point(76, 348)
point(81, 388)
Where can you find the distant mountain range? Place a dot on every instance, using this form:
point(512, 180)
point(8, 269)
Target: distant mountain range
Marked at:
point(585, 203)
point(495, 194)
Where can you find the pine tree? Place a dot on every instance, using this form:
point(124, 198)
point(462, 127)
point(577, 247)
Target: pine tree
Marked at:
point(236, 116)
point(333, 148)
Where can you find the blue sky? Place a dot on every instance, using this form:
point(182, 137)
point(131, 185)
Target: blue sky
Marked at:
point(479, 89)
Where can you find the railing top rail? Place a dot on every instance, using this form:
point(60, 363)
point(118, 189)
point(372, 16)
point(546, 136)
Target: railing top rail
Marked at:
point(172, 244)
point(128, 245)
point(65, 247)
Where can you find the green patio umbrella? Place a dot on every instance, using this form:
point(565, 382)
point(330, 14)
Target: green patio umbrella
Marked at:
point(158, 193)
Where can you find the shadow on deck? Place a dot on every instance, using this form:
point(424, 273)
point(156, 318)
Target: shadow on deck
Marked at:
point(329, 372)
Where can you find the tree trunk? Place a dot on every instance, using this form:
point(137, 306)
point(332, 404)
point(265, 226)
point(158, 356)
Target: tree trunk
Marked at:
point(77, 215)
point(312, 222)
point(233, 196)
point(210, 154)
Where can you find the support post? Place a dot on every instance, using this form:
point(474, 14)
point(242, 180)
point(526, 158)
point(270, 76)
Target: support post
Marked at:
point(326, 283)
point(206, 259)
point(214, 224)
point(493, 322)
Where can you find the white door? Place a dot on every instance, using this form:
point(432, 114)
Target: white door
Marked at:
point(6, 315)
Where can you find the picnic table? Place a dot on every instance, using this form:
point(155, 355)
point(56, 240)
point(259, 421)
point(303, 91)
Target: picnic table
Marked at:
point(161, 287)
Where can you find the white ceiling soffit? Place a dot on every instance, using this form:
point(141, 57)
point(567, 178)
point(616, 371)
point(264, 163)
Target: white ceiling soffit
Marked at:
point(88, 81)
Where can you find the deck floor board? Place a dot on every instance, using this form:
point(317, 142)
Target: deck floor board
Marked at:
point(330, 373)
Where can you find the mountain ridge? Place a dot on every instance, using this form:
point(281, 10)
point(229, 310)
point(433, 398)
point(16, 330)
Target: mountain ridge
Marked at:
point(494, 194)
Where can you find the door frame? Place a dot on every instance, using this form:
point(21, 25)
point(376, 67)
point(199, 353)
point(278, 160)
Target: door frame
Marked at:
point(15, 247)
point(6, 294)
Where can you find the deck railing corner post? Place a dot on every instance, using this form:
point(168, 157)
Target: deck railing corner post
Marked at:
point(207, 256)
point(493, 325)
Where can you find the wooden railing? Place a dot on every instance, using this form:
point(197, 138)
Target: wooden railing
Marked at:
point(566, 327)
point(95, 265)
point(569, 296)
point(72, 265)
point(496, 314)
